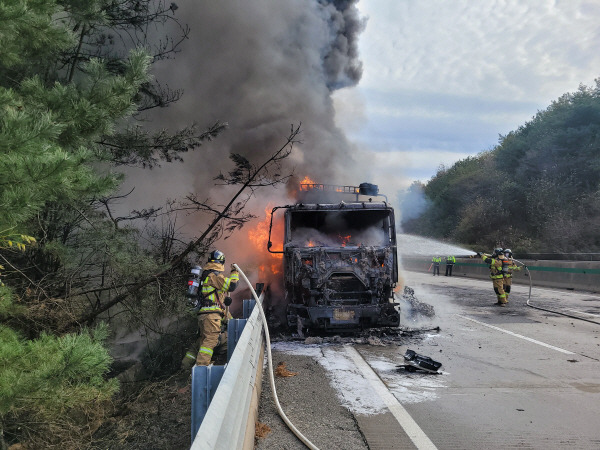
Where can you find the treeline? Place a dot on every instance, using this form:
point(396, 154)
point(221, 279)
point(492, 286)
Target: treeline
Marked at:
point(537, 190)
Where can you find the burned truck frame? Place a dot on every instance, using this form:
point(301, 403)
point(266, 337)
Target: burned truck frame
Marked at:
point(340, 262)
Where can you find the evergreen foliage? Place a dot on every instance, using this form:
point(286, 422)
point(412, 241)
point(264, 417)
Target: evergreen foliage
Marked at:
point(66, 92)
point(537, 190)
point(50, 375)
point(55, 381)
point(74, 85)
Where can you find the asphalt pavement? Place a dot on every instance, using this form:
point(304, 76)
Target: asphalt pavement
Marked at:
point(513, 377)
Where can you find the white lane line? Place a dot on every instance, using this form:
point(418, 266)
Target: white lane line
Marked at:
point(562, 291)
point(407, 423)
point(582, 312)
point(558, 349)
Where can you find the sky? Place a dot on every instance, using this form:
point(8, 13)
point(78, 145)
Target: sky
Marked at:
point(442, 80)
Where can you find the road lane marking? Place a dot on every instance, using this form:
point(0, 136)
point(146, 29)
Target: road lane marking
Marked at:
point(582, 312)
point(410, 427)
point(543, 344)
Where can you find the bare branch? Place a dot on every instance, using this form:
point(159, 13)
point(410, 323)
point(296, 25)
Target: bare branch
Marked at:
point(209, 232)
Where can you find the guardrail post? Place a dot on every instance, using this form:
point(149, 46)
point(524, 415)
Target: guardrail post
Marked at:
point(248, 306)
point(229, 421)
point(205, 380)
point(235, 327)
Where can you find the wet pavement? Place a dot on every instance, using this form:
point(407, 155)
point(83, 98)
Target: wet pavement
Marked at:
point(513, 377)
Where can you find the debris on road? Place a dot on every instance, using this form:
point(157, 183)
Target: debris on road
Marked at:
point(415, 362)
point(282, 371)
point(412, 308)
point(261, 430)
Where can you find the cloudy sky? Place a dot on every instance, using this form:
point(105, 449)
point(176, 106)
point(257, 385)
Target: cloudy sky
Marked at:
point(443, 79)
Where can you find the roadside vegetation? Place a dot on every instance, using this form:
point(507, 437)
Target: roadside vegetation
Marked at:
point(538, 190)
point(75, 85)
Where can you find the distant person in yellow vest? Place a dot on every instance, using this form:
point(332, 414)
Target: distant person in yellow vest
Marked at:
point(450, 261)
point(436, 261)
point(211, 315)
point(509, 267)
point(495, 261)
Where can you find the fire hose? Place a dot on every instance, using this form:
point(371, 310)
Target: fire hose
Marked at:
point(544, 309)
point(287, 421)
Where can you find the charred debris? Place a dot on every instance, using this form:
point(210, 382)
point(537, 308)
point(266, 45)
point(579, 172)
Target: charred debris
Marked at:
point(376, 336)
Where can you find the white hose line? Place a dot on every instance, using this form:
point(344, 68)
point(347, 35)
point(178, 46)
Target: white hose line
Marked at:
point(529, 275)
point(545, 309)
point(290, 425)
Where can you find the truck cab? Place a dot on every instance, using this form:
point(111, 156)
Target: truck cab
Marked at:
point(340, 260)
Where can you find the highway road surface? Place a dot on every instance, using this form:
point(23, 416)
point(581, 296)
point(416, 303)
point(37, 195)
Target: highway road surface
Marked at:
point(513, 377)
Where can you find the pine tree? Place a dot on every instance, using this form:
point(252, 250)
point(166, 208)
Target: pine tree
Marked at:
point(50, 122)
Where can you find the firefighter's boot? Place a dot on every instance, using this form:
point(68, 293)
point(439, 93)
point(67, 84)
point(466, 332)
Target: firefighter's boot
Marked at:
point(188, 361)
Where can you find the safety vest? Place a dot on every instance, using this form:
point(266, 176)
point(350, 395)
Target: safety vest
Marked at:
point(436, 260)
point(450, 260)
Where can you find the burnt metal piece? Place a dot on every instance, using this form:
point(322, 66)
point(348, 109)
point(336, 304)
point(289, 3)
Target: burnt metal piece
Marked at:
point(416, 362)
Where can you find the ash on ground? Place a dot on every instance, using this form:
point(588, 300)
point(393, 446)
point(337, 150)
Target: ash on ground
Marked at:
point(380, 337)
point(412, 309)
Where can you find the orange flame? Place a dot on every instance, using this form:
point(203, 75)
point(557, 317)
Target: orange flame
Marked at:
point(269, 263)
point(344, 239)
point(306, 180)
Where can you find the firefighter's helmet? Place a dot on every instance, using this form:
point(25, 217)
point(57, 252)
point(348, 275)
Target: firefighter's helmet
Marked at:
point(498, 251)
point(216, 256)
point(508, 252)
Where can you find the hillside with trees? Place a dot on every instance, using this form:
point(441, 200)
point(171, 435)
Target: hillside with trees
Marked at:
point(538, 190)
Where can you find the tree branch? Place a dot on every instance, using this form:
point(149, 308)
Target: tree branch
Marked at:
point(291, 139)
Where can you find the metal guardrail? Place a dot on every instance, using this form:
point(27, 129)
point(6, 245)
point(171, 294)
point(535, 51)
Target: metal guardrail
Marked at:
point(580, 275)
point(560, 256)
point(226, 423)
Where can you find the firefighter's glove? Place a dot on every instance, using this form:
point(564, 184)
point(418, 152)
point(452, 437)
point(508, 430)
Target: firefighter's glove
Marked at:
point(479, 254)
point(233, 269)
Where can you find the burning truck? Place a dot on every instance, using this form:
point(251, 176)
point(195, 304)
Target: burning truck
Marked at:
point(340, 259)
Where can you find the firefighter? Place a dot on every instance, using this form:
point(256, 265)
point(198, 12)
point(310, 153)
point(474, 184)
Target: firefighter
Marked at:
point(507, 272)
point(450, 261)
point(495, 261)
point(436, 261)
point(212, 315)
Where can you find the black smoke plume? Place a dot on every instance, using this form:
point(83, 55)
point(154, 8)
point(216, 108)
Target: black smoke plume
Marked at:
point(260, 66)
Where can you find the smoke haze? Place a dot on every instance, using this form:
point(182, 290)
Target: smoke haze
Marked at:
point(260, 66)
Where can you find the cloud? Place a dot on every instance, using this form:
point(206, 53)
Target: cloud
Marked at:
point(442, 80)
point(505, 49)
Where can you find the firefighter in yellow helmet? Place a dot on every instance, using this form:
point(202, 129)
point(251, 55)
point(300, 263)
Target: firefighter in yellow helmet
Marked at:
point(496, 261)
point(510, 267)
point(211, 315)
